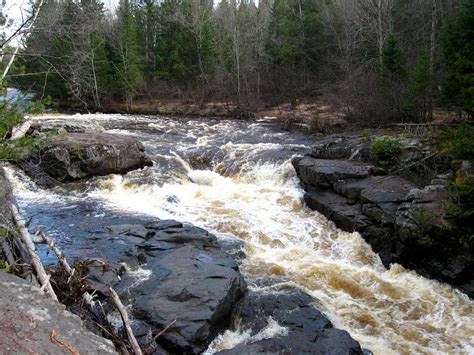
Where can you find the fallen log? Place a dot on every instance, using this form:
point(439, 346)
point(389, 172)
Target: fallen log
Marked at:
point(123, 313)
point(35, 260)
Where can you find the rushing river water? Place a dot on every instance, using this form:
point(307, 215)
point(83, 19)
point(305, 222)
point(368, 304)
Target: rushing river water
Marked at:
point(235, 179)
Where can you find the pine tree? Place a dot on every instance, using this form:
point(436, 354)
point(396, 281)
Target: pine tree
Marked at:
point(129, 73)
point(392, 58)
point(295, 36)
point(416, 101)
point(458, 54)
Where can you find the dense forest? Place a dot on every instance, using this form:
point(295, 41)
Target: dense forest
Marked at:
point(379, 60)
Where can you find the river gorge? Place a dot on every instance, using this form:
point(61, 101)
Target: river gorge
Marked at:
point(235, 179)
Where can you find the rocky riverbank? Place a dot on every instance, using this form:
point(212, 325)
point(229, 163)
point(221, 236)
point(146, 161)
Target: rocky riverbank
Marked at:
point(401, 215)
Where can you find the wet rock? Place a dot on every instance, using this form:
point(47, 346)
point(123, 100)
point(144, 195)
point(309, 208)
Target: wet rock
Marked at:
point(82, 155)
point(28, 317)
point(337, 208)
point(174, 271)
point(101, 275)
point(199, 291)
point(136, 230)
point(325, 173)
point(285, 322)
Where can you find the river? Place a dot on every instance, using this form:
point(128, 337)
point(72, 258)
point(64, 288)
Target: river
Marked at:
point(235, 179)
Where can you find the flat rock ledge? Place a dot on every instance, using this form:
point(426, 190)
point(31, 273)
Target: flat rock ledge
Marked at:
point(28, 317)
point(390, 212)
point(75, 156)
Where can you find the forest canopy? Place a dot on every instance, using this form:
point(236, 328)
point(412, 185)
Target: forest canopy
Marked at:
point(384, 60)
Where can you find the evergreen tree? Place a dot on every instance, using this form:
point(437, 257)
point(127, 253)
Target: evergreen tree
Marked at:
point(416, 101)
point(458, 49)
point(129, 73)
point(392, 56)
point(295, 36)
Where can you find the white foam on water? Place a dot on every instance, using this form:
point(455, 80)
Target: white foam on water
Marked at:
point(139, 273)
point(230, 339)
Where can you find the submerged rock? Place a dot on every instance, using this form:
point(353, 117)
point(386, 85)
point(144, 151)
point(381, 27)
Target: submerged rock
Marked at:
point(82, 155)
point(285, 322)
point(31, 322)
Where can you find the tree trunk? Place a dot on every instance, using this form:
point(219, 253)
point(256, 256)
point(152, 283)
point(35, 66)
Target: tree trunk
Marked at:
point(432, 58)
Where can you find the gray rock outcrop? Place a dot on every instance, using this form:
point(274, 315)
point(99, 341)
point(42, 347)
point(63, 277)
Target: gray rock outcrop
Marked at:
point(31, 322)
point(399, 220)
point(187, 276)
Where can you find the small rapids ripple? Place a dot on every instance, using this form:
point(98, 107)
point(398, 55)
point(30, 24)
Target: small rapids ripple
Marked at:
point(235, 179)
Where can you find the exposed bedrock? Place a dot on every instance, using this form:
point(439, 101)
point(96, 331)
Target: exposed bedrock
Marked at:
point(396, 217)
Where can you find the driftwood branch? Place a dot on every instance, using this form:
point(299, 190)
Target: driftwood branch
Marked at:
point(123, 312)
point(165, 329)
point(20, 130)
point(38, 266)
point(150, 348)
point(52, 246)
point(86, 297)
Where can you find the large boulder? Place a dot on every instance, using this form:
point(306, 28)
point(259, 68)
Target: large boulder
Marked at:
point(173, 272)
point(285, 322)
point(31, 322)
point(81, 155)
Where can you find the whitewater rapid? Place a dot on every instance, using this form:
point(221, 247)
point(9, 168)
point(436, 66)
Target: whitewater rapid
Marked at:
point(236, 180)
